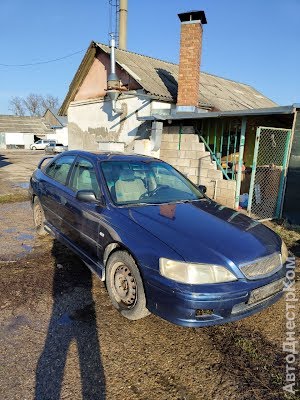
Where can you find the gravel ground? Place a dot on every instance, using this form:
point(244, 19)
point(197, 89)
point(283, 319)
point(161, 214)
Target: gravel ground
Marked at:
point(61, 338)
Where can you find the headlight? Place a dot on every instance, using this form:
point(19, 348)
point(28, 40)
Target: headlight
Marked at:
point(194, 274)
point(284, 252)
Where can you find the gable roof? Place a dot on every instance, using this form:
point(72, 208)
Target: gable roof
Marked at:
point(15, 124)
point(61, 120)
point(160, 79)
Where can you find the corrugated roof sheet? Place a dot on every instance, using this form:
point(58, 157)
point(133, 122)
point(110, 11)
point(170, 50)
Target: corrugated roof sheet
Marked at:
point(13, 123)
point(159, 78)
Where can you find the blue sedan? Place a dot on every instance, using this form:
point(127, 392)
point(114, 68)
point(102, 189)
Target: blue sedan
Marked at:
point(159, 243)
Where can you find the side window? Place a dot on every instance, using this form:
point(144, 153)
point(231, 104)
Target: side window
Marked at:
point(84, 177)
point(60, 168)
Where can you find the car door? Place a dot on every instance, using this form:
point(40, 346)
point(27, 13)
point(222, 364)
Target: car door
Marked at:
point(82, 224)
point(53, 190)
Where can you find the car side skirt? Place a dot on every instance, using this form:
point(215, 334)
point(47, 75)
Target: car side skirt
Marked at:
point(95, 267)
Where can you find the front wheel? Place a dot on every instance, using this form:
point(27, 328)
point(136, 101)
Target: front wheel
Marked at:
point(33, 148)
point(39, 217)
point(125, 286)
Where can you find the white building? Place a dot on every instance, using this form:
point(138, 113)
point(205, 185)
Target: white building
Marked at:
point(21, 132)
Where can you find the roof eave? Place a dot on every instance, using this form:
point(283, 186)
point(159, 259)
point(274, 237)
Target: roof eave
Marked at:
point(81, 73)
point(218, 114)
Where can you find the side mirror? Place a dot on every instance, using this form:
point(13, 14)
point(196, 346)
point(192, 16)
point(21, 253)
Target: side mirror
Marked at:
point(202, 188)
point(88, 196)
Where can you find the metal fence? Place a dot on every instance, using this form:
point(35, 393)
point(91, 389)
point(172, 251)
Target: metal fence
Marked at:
point(222, 139)
point(268, 172)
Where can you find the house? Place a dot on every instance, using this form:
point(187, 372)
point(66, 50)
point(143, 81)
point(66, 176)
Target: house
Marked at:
point(220, 133)
point(21, 132)
point(58, 125)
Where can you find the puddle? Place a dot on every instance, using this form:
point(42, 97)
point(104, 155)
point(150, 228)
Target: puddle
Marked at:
point(23, 185)
point(16, 231)
point(25, 236)
point(17, 322)
point(10, 230)
point(27, 247)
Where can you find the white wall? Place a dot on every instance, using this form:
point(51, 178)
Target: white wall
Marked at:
point(60, 135)
point(19, 139)
point(91, 122)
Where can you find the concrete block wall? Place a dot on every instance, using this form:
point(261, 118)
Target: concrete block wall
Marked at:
point(193, 161)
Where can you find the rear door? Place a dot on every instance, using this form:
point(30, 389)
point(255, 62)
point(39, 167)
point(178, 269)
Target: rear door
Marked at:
point(54, 191)
point(83, 220)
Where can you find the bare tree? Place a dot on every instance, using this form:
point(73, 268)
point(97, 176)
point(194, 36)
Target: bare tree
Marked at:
point(50, 101)
point(17, 106)
point(34, 104)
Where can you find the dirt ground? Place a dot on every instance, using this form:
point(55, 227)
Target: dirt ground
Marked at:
point(61, 338)
point(16, 167)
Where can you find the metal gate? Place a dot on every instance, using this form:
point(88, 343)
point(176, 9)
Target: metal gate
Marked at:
point(268, 172)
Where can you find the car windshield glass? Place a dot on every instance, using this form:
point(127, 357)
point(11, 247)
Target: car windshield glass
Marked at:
point(147, 182)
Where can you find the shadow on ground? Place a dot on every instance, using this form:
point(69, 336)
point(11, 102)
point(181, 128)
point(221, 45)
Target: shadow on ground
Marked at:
point(3, 161)
point(73, 319)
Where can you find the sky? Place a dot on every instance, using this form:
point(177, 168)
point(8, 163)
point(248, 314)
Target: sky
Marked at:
point(250, 41)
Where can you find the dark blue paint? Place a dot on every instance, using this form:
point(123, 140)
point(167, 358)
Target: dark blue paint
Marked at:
point(199, 231)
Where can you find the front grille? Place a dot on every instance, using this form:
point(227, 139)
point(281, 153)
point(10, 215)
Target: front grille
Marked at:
point(261, 267)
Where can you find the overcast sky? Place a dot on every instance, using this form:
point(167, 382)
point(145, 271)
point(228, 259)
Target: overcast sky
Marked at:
point(251, 41)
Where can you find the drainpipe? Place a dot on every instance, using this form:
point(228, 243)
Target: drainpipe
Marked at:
point(240, 164)
point(113, 82)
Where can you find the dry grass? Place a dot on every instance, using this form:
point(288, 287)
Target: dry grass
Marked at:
point(13, 197)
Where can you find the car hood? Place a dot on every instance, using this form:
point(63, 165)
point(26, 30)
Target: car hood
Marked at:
point(204, 231)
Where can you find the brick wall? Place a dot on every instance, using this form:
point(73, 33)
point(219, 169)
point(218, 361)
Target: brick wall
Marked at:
point(193, 161)
point(189, 66)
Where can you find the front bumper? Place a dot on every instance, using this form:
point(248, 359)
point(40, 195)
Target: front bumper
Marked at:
point(228, 303)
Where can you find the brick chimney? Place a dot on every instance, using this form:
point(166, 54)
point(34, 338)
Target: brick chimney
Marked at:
point(190, 56)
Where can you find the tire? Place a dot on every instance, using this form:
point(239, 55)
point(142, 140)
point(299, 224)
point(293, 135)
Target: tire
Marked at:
point(33, 148)
point(39, 217)
point(125, 286)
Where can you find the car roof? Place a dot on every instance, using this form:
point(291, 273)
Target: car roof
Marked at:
point(110, 156)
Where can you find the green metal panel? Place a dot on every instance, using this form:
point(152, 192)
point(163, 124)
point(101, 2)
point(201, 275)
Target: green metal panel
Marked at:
point(251, 190)
point(241, 155)
point(234, 150)
point(214, 156)
point(283, 174)
point(221, 140)
point(180, 133)
point(291, 206)
point(208, 131)
point(215, 138)
point(228, 145)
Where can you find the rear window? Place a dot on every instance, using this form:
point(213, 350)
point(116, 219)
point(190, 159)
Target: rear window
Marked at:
point(59, 169)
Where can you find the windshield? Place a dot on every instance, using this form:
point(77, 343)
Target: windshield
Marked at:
point(150, 182)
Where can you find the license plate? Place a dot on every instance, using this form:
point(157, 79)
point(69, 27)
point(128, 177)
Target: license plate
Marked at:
point(264, 292)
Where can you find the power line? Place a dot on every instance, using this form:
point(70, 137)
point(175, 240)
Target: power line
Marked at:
point(42, 62)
